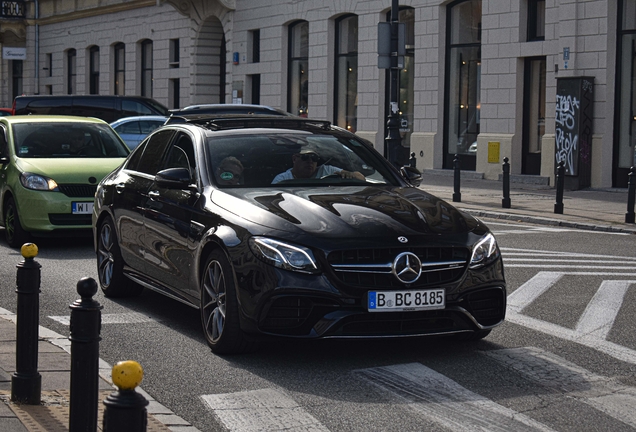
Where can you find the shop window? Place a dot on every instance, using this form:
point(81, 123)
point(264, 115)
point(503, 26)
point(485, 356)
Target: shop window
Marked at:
point(298, 73)
point(463, 66)
point(625, 155)
point(406, 81)
point(346, 86)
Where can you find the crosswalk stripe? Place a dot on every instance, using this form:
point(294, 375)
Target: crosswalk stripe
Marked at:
point(551, 371)
point(261, 410)
point(529, 291)
point(601, 311)
point(120, 318)
point(446, 402)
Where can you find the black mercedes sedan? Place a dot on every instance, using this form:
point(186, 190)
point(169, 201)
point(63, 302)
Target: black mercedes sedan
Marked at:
point(276, 226)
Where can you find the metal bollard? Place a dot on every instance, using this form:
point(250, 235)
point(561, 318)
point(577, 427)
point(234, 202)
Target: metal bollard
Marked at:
point(125, 409)
point(26, 382)
point(560, 183)
point(457, 196)
point(413, 160)
point(86, 321)
point(631, 191)
point(505, 201)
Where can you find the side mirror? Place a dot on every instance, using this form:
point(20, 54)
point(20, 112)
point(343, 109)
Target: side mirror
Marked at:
point(174, 178)
point(412, 175)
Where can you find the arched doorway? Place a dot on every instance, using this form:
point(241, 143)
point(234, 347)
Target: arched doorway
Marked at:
point(209, 64)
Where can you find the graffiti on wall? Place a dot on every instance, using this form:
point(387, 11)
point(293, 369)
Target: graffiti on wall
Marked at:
point(566, 133)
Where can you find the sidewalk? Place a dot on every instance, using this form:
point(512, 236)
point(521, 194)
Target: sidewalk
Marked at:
point(54, 364)
point(600, 210)
point(591, 209)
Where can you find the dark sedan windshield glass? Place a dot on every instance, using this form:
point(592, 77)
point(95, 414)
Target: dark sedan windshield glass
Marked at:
point(268, 160)
point(67, 140)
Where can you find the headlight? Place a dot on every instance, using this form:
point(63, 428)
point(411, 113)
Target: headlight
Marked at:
point(284, 255)
point(37, 182)
point(484, 252)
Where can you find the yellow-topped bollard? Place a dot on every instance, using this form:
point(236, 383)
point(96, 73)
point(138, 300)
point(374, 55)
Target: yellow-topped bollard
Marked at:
point(29, 250)
point(26, 382)
point(125, 409)
point(127, 375)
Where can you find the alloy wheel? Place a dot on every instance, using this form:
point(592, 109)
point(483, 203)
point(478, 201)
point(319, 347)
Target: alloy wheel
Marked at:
point(105, 258)
point(214, 306)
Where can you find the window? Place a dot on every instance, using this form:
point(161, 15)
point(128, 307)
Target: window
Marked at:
point(146, 68)
point(534, 114)
point(71, 64)
point(346, 86)
point(536, 20)
point(406, 82)
point(463, 65)
point(625, 156)
point(255, 36)
point(174, 92)
point(94, 70)
point(174, 53)
point(120, 69)
point(152, 153)
point(298, 73)
point(16, 77)
point(49, 65)
point(256, 89)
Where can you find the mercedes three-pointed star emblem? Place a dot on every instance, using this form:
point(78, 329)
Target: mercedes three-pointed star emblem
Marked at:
point(407, 267)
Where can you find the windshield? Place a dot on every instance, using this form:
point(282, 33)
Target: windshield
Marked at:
point(294, 158)
point(67, 140)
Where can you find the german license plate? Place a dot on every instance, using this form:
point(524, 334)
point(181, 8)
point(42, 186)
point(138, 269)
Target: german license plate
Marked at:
point(82, 207)
point(409, 300)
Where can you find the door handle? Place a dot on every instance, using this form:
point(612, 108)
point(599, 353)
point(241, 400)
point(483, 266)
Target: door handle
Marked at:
point(153, 195)
point(120, 188)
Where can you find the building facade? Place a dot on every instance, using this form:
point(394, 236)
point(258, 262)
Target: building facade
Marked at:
point(536, 81)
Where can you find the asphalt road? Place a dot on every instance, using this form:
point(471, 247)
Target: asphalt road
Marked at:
point(565, 360)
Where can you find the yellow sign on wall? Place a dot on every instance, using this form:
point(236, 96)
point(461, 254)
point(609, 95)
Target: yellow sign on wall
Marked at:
point(493, 152)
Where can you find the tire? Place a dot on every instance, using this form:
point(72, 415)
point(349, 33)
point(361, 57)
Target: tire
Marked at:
point(474, 336)
point(219, 308)
point(15, 235)
point(110, 264)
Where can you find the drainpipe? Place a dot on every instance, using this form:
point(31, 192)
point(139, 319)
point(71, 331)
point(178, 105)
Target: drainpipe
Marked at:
point(37, 47)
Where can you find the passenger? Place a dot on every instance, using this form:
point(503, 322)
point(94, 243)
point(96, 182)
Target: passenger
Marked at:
point(230, 171)
point(305, 166)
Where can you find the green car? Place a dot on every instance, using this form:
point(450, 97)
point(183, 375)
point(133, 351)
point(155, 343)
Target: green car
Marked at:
point(49, 170)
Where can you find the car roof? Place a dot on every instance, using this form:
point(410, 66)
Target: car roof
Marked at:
point(252, 121)
point(50, 119)
point(137, 118)
point(230, 108)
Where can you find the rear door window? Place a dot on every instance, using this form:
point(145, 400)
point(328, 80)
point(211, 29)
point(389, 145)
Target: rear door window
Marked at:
point(154, 150)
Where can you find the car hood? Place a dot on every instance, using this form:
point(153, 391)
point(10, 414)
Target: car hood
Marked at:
point(346, 211)
point(70, 170)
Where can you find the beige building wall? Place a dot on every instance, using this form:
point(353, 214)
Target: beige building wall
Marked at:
point(586, 27)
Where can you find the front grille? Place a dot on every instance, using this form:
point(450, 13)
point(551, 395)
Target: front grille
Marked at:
point(295, 315)
point(486, 306)
point(370, 268)
point(70, 219)
point(78, 190)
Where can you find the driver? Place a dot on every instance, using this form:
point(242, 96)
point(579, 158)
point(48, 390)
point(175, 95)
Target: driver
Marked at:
point(305, 165)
